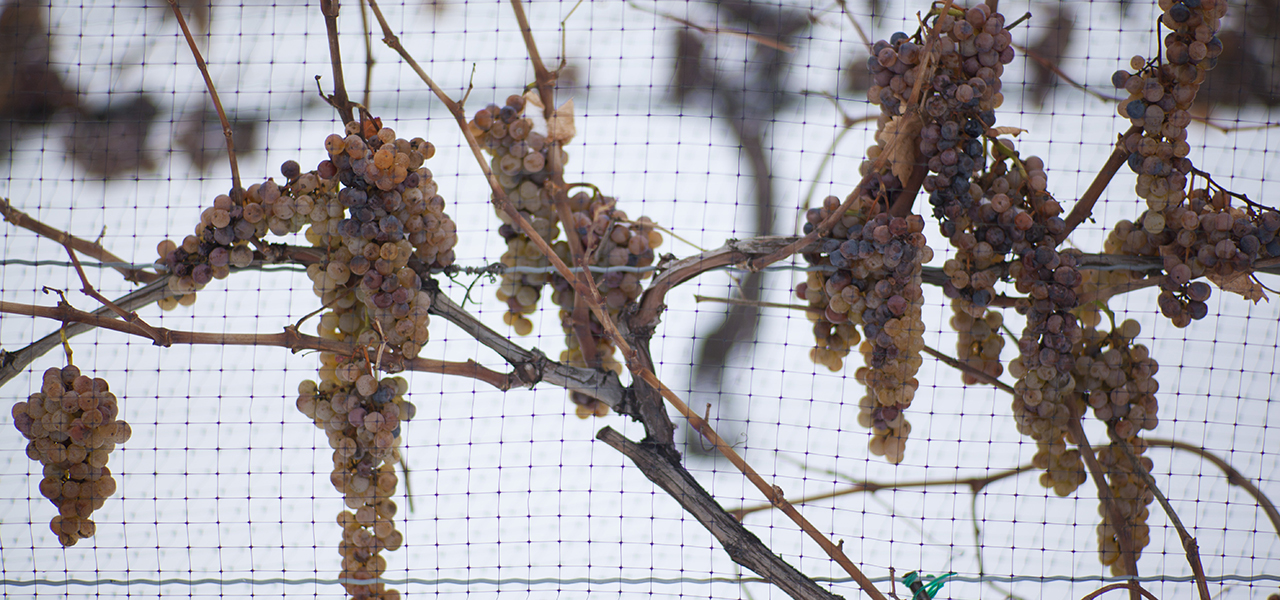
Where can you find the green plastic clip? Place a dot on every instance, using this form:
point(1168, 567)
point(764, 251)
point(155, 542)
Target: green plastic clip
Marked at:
point(925, 588)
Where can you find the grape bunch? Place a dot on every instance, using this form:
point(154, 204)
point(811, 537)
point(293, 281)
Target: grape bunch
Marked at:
point(609, 239)
point(1117, 377)
point(220, 242)
point(1131, 494)
point(1160, 96)
point(1046, 395)
point(362, 416)
point(394, 215)
point(997, 221)
point(974, 44)
point(226, 230)
point(1203, 236)
point(73, 429)
point(959, 101)
point(520, 159)
point(979, 342)
point(875, 284)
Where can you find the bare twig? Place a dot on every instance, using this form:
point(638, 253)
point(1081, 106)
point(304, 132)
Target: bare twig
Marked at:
point(289, 338)
point(1084, 207)
point(236, 190)
point(1119, 586)
point(977, 373)
point(975, 484)
point(1118, 522)
point(532, 366)
point(83, 246)
point(131, 317)
point(772, 492)
point(339, 100)
point(1188, 542)
point(742, 546)
point(1234, 477)
point(368, 53)
point(546, 80)
point(16, 362)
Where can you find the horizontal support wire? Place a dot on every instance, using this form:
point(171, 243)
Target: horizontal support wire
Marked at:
point(494, 269)
point(498, 268)
point(521, 581)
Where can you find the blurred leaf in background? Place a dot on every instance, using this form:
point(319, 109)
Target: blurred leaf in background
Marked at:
point(31, 91)
point(201, 138)
point(111, 142)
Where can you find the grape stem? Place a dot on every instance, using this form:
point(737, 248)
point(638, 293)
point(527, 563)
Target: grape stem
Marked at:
point(368, 53)
point(977, 373)
point(83, 246)
point(1118, 522)
point(1234, 477)
point(236, 190)
point(1188, 542)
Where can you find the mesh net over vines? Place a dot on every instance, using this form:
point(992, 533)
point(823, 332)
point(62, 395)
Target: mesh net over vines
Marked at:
point(680, 299)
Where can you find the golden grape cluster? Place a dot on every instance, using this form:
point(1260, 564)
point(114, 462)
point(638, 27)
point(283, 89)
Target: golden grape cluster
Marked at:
point(383, 226)
point(72, 427)
point(266, 207)
point(1046, 398)
point(362, 416)
point(521, 161)
point(221, 241)
point(608, 238)
point(394, 215)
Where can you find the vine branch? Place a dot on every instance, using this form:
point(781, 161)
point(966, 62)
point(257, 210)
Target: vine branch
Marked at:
point(236, 189)
point(1188, 542)
point(340, 101)
point(81, 245)
point(1084, 207)
point(289, 338)
point(1121, 525)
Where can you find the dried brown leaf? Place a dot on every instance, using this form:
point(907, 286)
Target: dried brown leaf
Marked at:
point(1240, 283)
point(1008, 130)
point(900, 147)
point(561, 128)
